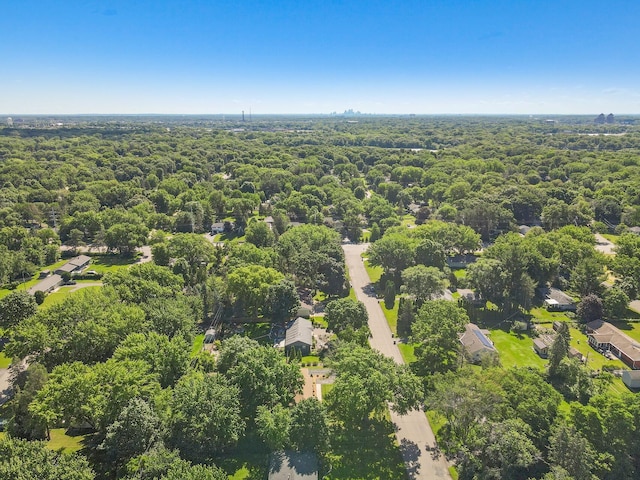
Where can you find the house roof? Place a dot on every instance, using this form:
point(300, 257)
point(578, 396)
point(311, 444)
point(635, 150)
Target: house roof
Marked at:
point(80, 260)
point(475, 340)
point(301, 330)
point(293, 466)
point(467, 293)
point(543, 341)
point(46, 284)
point(604, 332)
point(217, 225)
point(554, 294)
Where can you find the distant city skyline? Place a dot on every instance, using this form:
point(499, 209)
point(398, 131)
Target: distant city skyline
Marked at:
point(320, 56)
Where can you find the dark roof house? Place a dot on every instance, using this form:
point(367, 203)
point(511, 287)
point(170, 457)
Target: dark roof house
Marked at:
point(47, 284)
point(556, 300)
point(293, 466)
point(299, 336)
point(76, 264)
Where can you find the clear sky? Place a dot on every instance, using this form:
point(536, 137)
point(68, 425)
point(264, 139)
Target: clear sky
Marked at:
point(320, 56)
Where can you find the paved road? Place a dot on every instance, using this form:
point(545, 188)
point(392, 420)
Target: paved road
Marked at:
point(413, 430)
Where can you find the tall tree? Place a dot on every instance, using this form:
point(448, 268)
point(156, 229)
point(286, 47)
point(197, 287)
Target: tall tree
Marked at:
point(16, 307)
point(205, 415)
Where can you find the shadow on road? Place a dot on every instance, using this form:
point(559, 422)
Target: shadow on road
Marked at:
point(411, 454)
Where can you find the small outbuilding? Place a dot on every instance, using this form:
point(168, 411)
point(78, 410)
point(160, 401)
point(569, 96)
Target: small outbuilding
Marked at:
point(217, 227)
point(542, 344)
point(299, 337)
point(631, 378)
point(290, 465)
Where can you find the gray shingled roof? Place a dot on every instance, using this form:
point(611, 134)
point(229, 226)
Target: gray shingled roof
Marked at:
point(301, 330)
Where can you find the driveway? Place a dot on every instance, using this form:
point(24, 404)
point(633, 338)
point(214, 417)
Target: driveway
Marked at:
point(413, 431)
point(603, 245)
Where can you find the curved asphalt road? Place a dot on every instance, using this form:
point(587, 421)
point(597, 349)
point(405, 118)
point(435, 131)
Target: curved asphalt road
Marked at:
point(413, 431)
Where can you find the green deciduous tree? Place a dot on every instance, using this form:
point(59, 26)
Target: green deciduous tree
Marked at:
point(273, 426)
point(345, 312)
point(15, 307)
point(136, 429)
point(423, 283)
point(205, 415)
point(436, 331)
point(22, 460)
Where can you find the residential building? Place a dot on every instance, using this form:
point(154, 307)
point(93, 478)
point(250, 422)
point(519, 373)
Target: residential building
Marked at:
point(604, 337)
point(299, 337)
point(556, 300)
point(476, 343)
point(47, 285)
point(217, 227)
point(631, 378)
point(75, 265)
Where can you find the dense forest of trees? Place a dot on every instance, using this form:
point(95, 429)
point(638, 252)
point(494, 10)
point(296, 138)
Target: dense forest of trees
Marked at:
point(117, 361)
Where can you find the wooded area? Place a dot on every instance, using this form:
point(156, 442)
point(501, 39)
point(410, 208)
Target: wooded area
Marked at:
point(502, 206)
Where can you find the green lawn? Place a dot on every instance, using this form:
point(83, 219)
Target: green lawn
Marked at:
point(460, 273)
point(391, 315)
point(542, 315)
point(407, 352)
point(325, 388)
point(59, 295)
point(612, 238)
point(367, 453)
point(4, 361)
point(374, 272)
point(110, 263)
point(515, 349)
point(198, 342)
point(319, 319)
point(61, 441)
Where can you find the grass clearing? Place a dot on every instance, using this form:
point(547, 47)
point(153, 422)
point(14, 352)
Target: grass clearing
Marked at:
point(407, 350)
point(542, 315)
point(460, 273)
point(5, 361)
point(34, 279)
point(515, 349)
point(319, 319)
point(391, 315)
point(325, 388)
point(65, 442)
point(374, 272)
point(110, 263)
point(630, 328)
point(198, 342)
point(59, 295)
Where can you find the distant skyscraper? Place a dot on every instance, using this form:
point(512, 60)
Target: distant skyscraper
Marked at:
point(10, 121)
point(243, 115)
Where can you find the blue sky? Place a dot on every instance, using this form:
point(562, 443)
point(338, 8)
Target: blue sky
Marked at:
point(319, 56)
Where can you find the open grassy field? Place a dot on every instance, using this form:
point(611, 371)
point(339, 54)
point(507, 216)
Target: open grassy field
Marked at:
point(59, 295)
point(515, 349)
point(110, 263)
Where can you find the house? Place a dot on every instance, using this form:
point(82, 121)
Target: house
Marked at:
point(523, 229)
point(269, 221)
point(631, 378)
point(604, 337)
point(556, 300)
point(75, 265)
point(542, 344)
point(217, 227)
point(293, 466)
point(476, 344)
point(299, 336)
point(469, 296)
point(47, 285)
